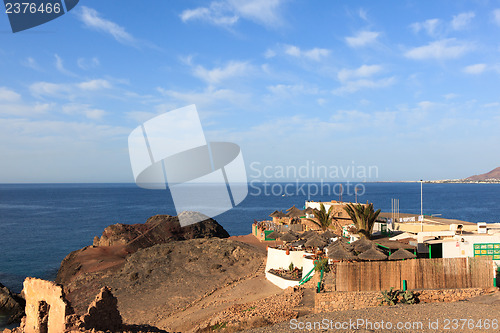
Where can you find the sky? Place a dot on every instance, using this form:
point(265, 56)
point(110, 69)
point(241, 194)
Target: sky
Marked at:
point(407, 88)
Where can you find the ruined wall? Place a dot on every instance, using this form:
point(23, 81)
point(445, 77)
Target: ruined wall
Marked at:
point(46, 309)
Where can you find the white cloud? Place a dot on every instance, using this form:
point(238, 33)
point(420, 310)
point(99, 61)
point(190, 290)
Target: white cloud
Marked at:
point(475, 69)
point(496, 16)
point(292, 90)
point(91, 18)
point(261, 11)
point(462, 20)
point(442, 49)
point(84, 109)
point(270, 54)
point(353, 86)
point(60, 66)
point(218, 13)
point(363, 71)
point(450, 96)
point(87, 64)
point(430, 26)
point(228, 12)
point(363, 14)
point(315, 54)
point(208, 97)
point(362, 38)
point(42, 88)
point(8, 95)
point(219, 74)
point(31, 63)
point(97, 84)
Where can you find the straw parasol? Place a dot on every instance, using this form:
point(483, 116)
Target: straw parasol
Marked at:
point(372, 254)
point(329, 234)
point(345, 245)
point(362, 245)
point(309, 234)
point(288, 237)
point(299, 242)
point(402, 254)
point(294, 212)
point(275, 234)
point(309, 210)
point(277, 214)
point(340, 253)
point(316, 242)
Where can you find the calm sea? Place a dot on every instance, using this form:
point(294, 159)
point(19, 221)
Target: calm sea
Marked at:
point(41, 223)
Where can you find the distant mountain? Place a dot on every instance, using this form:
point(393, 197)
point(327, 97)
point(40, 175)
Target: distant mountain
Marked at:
point(493, 174)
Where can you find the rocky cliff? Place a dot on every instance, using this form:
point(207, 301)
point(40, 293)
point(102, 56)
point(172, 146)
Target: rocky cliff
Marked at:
point(120, 240)
point(11, 305)
point(158, 229)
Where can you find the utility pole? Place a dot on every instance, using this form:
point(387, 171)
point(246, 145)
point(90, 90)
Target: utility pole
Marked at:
point(421, 207)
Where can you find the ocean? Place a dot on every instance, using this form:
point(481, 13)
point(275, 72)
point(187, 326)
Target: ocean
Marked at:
point(41, 223)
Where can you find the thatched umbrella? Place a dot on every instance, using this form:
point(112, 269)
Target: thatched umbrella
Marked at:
point(275, 234)
point(300, 242)
point(345, 245)
point(329, 234)
point(309, 210)
point(372, 254)
point(288, 237)
point(310, 234)
point(340, 253)
point(402, 254)
point(277, 213)
point(316, 242)
point(362, 245)
point(294, 212)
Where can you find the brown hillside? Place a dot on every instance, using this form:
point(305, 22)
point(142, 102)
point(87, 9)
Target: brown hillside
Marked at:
point(493, 174)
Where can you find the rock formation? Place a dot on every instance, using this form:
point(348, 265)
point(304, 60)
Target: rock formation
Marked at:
point(11, 304)
point(103, 313)
point(158, 229)
point(492, 175)
point(120, 240)
point(163, 279)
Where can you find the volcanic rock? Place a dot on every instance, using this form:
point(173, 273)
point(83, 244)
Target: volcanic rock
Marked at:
point(11, 304)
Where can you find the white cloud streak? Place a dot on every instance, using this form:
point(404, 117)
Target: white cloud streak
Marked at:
point(92, 19)
point(316, 54)
point(362, 38)
point(442, 49)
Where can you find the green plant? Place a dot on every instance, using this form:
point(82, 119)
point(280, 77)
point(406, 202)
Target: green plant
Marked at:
point(219, 326)
point(290, 268)
point(363, 217)
point(408, 297)
point(324, 218)
point(321, 264)
point(389, 296)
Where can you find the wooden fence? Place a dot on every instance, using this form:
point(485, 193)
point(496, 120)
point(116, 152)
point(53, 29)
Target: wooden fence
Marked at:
point(437, 273)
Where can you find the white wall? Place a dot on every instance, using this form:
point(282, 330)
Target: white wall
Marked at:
point(282, 283)
point(459, 249)
point(279, 259)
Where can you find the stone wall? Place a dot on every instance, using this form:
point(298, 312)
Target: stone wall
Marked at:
point(347, 300)
point(46, 309)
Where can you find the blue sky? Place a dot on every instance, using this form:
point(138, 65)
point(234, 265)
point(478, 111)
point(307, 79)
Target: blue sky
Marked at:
point(410, 87)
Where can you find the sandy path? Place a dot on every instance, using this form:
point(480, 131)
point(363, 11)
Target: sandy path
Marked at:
point(244, 291)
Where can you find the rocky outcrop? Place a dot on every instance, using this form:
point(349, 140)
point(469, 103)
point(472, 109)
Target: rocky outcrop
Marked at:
point(158, 229)
point(11, 304)
point(120, 240)
point(103, 313)
point(492, 175)
point(163, 279)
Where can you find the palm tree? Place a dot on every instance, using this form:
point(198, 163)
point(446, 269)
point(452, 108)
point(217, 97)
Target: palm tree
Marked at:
point(323, 218)
point(363, 216)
